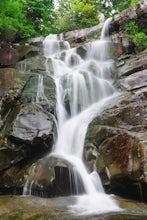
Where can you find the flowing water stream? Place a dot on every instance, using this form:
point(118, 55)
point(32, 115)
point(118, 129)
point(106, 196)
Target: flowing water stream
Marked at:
point(84, 88)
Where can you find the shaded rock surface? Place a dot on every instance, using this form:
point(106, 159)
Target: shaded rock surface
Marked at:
point(27, 118)
point(52, 176)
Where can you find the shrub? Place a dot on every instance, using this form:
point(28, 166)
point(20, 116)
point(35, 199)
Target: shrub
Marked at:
point(138, 38)
point(131, 28)
point(140, 41)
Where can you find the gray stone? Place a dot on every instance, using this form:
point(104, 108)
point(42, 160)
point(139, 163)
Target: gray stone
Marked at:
point(32, 122)
point(133, 64)
point(135, 81)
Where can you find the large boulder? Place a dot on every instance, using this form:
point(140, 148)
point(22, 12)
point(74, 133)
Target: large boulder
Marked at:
point(29, 133)
point(46, 177)
point(30, 136)
point(31, 122)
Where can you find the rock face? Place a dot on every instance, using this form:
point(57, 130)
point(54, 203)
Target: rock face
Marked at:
point(120, 133)
point(51, 176)
point(27, 118)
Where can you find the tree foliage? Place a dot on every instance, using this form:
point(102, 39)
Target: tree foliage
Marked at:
point(13, 20)
point(40, 13)
point(25, 18)
point(75, 14)
point(138, 37)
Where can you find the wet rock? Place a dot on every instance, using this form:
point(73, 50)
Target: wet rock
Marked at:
point(11, 54)
point(10, 90)
point(26, 51)
point(19, 149)
point(32, 122)
point(135, 81)
point(52, 176)
point(29, 135)
point(40, 89)
point(119, 134)
point(128, 187)
point(81, 51)
point(134, 64)
point(46, 177)
point(32, 64)
point(122, 44)
point(37, 41)
point(8, 78)
point(90, 156)
point(80, 35)
point(58, 208)
point(122, 155)
point(8, 56)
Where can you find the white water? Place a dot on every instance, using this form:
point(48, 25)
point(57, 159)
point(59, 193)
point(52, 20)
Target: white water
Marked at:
point(105, 30)
point(84, 88)
point(40, 90)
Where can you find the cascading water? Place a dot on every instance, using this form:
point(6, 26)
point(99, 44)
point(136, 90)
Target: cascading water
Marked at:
point(83, 90)
point(40, 90)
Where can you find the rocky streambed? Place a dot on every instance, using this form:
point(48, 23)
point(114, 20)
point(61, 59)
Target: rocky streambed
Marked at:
point(32, 208)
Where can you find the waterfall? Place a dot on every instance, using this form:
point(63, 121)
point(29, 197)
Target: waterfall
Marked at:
point(85, 85)
point(105, 30)
point(84, 89)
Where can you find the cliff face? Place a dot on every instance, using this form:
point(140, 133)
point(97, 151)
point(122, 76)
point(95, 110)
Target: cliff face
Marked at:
point(116, 142)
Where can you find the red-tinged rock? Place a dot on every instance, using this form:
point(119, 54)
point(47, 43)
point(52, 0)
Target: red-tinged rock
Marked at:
point(8, 56)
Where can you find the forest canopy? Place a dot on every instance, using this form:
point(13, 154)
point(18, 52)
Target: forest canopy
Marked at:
point(26, 18)
point(21, 19)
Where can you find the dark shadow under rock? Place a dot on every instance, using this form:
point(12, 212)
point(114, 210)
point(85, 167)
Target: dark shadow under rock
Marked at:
point(128, 187)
